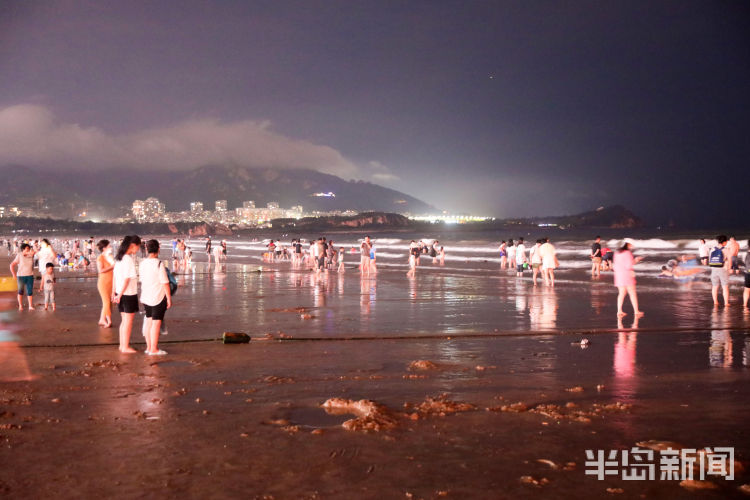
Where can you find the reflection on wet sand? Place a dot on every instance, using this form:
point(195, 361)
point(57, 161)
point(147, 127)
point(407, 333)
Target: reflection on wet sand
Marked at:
point(720, 346)
point(543, 309)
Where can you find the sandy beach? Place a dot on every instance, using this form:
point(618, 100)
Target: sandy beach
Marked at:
point(474, 388)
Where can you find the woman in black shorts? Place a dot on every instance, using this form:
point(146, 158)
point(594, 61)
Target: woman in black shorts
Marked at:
point(126, 288)
point(156, 296)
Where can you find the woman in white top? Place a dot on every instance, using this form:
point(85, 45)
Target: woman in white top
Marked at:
point(45, 254)
point(156, 296)
point(126, 288)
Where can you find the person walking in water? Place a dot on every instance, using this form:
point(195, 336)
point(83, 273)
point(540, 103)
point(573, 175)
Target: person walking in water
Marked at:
point(625, 278)
point(156, 296)
point(105, 265)
point(720, 262)
point(596, 257)
point(126, 288)
point(364, 256)
point(549, 261)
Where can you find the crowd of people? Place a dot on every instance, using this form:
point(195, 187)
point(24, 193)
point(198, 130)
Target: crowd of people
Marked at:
point(120, 272)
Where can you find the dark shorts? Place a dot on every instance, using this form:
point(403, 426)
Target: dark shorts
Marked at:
point(156, 312)
point(128, 304)
point(735, 263)
point(321, 262)
point(26, 282)
point(747, 280)
point(519, 268)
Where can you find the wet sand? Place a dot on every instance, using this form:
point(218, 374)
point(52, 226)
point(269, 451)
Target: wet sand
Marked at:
point(229, 421)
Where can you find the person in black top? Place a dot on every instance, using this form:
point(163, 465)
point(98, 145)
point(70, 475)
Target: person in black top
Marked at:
point(596, 257)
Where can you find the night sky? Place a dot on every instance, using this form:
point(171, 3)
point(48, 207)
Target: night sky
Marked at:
point(498, 108)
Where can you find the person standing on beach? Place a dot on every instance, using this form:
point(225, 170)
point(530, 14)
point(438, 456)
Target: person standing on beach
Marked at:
point(364, 256)
point(734, 254)
point(503, 255)
point(126, 288)
point(549, 261)
point(719, 261)
point(520, 257)
point(46, 254)
point(48, 286)
point(22, 269)
point(703, 252)
point(105, 265)
point(208, 249)
point(156, 296)
point(622, 266)
point(535, 257)
point(746, 291)
point(596, 257)
point(511, 254)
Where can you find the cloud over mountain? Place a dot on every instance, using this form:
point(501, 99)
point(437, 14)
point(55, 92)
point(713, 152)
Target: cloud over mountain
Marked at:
point(33, 135)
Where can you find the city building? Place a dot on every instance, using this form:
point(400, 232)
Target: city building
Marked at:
point(248, 204)
point(148, 210)
point(196, 206)
point(221, 205)
point(273, 205)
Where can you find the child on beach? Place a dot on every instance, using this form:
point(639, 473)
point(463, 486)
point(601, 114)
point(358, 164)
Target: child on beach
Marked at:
point(341, 259)
point(48, 286)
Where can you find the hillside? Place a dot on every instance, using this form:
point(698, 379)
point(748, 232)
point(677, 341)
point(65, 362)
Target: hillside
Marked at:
point(111, 192)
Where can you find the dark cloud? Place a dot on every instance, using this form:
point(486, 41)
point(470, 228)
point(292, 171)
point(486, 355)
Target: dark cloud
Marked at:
point(511, 108)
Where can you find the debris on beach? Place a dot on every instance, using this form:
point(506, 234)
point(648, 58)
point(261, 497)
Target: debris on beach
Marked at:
point(695, 485)
point(552, 465)
point(745, 488)
point(235, 338)
point(518, 407)
point(615, 491)
point(422, 364)
point(532, 481)
point(369, 415)
point(577, 388)
point(273, 379)
point(653, 444)
point(307, 316)
point(440, 406)
point(298, 310)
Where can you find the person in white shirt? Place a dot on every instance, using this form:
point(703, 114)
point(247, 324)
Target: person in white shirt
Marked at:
point(520, 257)
point(126, 288)
point(703, 249)
point(45, 254)
point(22, 269)
point(156, 296)
point(536, 260)
point(549, 261)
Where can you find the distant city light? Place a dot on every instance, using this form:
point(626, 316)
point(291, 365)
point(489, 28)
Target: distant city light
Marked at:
point(325, 195)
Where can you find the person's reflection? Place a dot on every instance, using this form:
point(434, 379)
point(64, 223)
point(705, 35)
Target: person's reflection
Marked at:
point(598, 298)
point(413, 290)
point(746, 352)
point(320, 287)
point(364, 297)
point(720, 346)
point(13, 365)
point(624, 360)
point(548, 319)
point(520, 296)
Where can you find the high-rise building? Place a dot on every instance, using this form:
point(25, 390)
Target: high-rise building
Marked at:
point(221, 205)
point(196, 206)
point(148, 210)
point(138, 210)
point(248, 204)
point(272, 205)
